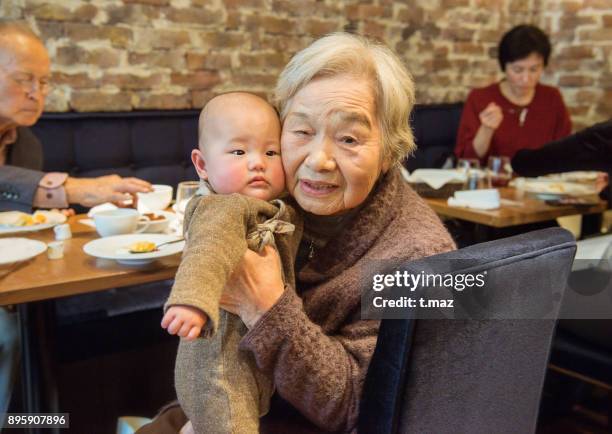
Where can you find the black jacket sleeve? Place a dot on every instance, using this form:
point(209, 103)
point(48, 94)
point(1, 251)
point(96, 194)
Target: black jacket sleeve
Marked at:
point(20, 177)
point(588, 149)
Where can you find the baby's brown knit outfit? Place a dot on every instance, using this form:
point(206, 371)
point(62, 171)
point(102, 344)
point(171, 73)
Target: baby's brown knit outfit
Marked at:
point(218, 385)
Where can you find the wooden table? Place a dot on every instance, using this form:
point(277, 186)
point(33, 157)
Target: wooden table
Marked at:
point(516, 209)
point(40, 279)
point(76, 273)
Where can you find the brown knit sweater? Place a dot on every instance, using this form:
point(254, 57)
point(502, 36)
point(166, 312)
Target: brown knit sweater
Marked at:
point(218, 229)
point(314, 342)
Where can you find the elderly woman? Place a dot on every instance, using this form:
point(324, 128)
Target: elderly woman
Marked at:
point(345, 104)
point(518, 112)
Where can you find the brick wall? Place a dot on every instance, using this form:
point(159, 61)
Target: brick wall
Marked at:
point(173, 54)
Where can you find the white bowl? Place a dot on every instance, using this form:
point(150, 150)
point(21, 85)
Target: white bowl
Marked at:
point(159, 226)
point(157, 200)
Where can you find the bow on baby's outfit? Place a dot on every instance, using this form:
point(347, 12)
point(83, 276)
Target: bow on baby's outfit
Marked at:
point(264, 234)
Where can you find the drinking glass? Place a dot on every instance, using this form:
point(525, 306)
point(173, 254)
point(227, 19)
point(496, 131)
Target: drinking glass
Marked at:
point(185, 191)
point(499, 171)
point(467, 164)
point(471, 168)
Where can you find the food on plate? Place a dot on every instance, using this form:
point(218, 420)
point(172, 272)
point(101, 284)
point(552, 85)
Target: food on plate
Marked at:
point(540, 186)
point(31, 220)
point(17, 221)
point(143, 247)
point(11, 219)
point(555, 187)
point(154, 217)
point(577, 176)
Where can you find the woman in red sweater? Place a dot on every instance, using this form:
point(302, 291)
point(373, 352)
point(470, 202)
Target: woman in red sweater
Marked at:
point(517, 112)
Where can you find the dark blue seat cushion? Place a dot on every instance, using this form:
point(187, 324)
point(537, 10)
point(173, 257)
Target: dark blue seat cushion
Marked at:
point(435, 130)
point(438, 375)
point(152, 145)
point(381, 402)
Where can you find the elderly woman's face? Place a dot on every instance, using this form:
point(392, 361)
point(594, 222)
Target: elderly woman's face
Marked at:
point(331, 145)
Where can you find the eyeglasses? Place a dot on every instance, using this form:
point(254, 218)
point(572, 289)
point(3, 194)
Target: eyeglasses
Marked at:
point(29, 82)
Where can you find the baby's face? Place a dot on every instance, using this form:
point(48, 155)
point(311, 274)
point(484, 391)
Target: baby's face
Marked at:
point(241, 152)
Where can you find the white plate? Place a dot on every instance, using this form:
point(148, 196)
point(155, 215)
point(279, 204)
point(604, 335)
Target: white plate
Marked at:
point(19, 249)
point(8, 218)
point(556, 189)
point(117, 248)
point(577, 176)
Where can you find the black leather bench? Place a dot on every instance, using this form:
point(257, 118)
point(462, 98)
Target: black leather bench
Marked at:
point(435, 130)
point(152, 145)
point(156, 145)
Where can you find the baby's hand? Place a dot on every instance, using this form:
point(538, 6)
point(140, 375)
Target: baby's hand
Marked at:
point(185, 321)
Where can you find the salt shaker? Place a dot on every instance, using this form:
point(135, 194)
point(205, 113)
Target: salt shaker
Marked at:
point(55, 250)
point(62, 232)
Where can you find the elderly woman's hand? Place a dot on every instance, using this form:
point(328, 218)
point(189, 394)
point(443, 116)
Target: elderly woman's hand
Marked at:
point(255, 286)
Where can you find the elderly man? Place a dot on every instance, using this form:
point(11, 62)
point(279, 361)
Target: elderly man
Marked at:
point(24, 83)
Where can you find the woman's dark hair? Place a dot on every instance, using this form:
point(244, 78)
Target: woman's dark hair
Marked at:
point(520, 41)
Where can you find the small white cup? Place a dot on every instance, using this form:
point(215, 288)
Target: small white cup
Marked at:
point(120, 221)
point(62, 232)
point(156, 200)
point(55, 250)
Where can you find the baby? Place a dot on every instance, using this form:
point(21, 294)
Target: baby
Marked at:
point(241, 172)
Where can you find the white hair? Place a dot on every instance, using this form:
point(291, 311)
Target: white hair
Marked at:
point(343, 53)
